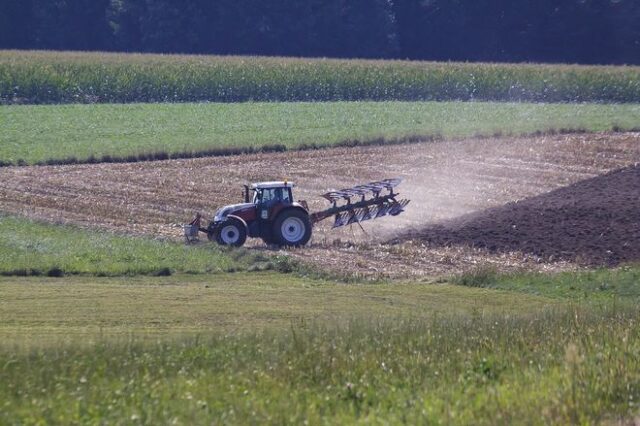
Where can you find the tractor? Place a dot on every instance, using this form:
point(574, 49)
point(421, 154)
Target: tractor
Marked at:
point(270, 212)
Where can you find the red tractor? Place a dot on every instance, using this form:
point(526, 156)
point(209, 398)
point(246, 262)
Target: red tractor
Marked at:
point(270, 212)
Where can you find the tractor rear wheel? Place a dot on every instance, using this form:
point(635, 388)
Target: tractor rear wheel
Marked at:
point(231, 232)
point(292, 228)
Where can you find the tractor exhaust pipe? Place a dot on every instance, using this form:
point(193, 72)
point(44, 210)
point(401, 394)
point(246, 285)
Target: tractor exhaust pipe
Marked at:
point(246, 193)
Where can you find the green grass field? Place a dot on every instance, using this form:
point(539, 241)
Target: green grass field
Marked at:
point(61, 308)
point(40, 133)
point(34, 248)
point(622, 283)
point(267, 348)
point(65, 77)
point(277, 348)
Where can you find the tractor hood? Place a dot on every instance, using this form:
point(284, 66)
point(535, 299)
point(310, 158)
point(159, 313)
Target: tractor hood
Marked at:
point(232, 209)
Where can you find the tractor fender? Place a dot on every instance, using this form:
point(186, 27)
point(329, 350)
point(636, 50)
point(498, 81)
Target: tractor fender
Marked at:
point(288, 209)
point(214, 225)
point(239, 219)
point(302, 204)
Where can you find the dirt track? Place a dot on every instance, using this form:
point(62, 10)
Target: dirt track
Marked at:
point(462, 212)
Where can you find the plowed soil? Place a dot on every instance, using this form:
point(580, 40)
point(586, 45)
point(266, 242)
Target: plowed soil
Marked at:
point(543, 203)
point(595, 221)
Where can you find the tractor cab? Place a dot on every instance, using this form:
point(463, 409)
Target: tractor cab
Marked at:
point(270, 198)
point(270, 192)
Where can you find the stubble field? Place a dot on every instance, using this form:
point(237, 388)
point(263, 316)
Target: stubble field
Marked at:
point(507, 203)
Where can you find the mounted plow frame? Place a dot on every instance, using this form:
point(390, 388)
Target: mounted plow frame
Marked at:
point(364, 209)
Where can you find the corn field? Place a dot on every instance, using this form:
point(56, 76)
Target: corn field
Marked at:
point(61, 77)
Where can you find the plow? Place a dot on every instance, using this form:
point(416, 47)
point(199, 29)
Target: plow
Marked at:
point(270, 212)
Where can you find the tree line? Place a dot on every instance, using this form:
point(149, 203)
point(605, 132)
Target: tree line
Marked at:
point(573, 31)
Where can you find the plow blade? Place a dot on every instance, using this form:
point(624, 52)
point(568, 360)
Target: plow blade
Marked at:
point(374, 188)
point(382, 211)
point(341, 219)
point(368, 213)
point(363, 214)
point(378, 204)
point(398, 207)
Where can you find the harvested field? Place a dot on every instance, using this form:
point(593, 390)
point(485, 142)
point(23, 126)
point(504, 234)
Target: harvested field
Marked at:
point(462, 213)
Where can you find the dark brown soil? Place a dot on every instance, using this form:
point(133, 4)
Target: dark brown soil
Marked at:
point(592, 222)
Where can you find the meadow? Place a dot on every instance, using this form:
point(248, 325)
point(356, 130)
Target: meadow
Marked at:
point(34, 248)
point(558, 364)
point(77, 306)
point(132, 132)
point(193, 348)
point(601, 284)
point(65, 77)
point(270, 347)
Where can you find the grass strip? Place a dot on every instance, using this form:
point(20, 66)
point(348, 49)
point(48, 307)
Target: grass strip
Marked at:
point(30, 248)
point(37, 307)
point(622, 283)
point(114, 133)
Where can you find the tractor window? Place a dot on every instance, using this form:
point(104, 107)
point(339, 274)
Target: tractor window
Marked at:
point(276, 195)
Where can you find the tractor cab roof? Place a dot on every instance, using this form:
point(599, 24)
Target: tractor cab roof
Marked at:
point(275, 184)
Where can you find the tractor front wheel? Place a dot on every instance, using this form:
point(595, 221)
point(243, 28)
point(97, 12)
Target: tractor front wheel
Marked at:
point(231, 232)
point(292, 228)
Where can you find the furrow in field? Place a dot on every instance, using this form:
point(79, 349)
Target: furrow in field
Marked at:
point(446, 181)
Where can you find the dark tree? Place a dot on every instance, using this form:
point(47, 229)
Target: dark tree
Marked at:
point(124, 17)
point(432, 29)
point(625, 31)
point(170, 26)
point(15, 24)
point(71, 24)
point(580, 31)
point(369, 26)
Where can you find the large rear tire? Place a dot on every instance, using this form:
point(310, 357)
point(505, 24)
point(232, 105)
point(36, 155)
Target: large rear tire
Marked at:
point(231, 232)
point(292, 228)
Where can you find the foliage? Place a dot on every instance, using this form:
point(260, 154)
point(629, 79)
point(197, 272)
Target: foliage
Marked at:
point(569, 31)
point(621, 283)
point(32, 248)
point(563, 366)
point(482, 276)
point(94, 133)
point(47, 77)
point(583, 31)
